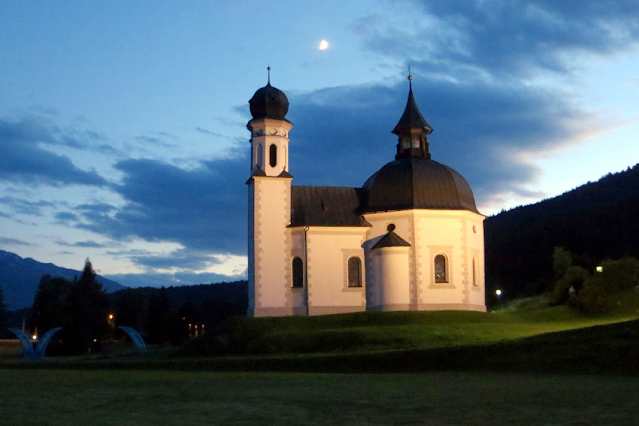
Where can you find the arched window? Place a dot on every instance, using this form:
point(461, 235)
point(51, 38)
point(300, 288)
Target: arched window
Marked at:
point(354, 272)
point(298, 272)
point(474, 271)
point(441, 275)
point(260, 156)
point(285, 156)
point(272, 155)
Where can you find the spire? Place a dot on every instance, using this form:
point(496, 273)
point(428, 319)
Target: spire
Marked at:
point(412, 129)
point(412, 117)
point(268, 69)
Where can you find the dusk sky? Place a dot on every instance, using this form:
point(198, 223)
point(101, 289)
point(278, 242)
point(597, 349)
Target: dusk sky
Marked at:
point(123, 124)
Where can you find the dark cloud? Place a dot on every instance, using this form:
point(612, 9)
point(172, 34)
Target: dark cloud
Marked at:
point(13, 242)
point(485, 131)
point(208, 132)
point(23, 161)
point(341, 136)
point(202, 208)
point(159, 140)
point(65, 217)
point(182, 259)
point(83, 244)
point(23, 206)
point(96, 207)
point(504, 37)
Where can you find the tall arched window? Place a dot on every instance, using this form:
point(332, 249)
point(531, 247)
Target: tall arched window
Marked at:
point(272, 155)
point(354, 272)
point(298, 272)
point(260, 156)
point(441, 275)
point(285, 156)
point(474, 271)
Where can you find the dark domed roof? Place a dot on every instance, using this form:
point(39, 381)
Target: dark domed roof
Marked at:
point(418, 183)
point(269, 102)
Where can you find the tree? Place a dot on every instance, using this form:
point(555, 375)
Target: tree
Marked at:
point(50, 306)
point(561, 261)
point(159, 317)
point(88, 307)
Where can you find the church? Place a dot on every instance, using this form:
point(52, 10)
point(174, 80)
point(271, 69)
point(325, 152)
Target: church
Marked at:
point(410, 238)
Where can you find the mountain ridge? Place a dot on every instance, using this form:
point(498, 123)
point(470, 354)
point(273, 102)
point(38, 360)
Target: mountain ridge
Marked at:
point(19, 278)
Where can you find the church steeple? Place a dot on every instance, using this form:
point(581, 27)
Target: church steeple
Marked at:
point(412, 130)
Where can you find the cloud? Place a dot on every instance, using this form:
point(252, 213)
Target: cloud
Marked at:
point(22, 160)
point(65, 217)
point(22, 206)
point(180, 260)
point(503, 37)
point(159, 140)
point(488, 132)
point(83, 244)
point(208, 132)
point(167, 280)
point(13, 242)
point(96, 207)
point(202, 208)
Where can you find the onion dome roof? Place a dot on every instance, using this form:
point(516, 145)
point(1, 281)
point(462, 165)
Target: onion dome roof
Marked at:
point(269, 102)
point(418, 183)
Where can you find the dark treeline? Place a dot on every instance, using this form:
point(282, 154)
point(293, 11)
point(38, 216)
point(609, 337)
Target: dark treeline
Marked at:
point(596, 221)
point(90, 317)
point(164, 314)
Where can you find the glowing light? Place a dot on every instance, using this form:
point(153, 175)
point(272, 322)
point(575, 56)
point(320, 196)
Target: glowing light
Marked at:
point(599, 268)
point(323, 45)
point(110, 316)
point(498, 293)
point(34, 337)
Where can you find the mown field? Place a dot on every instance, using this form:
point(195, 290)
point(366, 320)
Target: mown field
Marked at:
point(77, 397)
point(524, 366)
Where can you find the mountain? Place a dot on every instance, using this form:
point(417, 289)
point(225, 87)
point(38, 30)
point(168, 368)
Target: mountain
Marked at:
point(596, 221)
point(20, 277)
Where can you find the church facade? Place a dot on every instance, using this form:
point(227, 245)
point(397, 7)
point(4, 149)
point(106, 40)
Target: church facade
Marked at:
point(410, 238)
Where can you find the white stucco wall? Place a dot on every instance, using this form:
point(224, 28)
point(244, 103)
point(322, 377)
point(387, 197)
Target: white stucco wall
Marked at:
point(432, 232)
point(392, 277)
point(328, 251)
point(269, 267)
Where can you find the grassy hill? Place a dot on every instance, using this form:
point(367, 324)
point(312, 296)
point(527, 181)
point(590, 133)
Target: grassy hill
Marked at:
point(390, 331)
point(515, 338)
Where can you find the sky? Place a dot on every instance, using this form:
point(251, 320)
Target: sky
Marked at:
point(123, 124)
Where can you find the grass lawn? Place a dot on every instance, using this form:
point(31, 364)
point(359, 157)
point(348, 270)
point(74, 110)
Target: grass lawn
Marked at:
point(77, 397)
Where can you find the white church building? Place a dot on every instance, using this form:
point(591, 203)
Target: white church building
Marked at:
point(410, 238)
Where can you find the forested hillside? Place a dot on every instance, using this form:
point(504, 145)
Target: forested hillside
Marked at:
point(596, 221)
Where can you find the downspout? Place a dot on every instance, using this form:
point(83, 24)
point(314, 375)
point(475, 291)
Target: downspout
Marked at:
point(306, 270)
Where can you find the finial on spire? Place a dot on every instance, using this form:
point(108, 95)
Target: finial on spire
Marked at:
point(269, 74)
point(410, 79)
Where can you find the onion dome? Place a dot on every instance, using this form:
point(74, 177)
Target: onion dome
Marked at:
point(269, 102)
point(413, 180)
point(418, 183)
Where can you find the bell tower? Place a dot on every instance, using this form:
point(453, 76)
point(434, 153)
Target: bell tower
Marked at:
point(269, 242)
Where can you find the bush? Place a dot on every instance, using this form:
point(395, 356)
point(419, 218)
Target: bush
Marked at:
point(573, 277)
point(620, 275)
point(593, 298)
